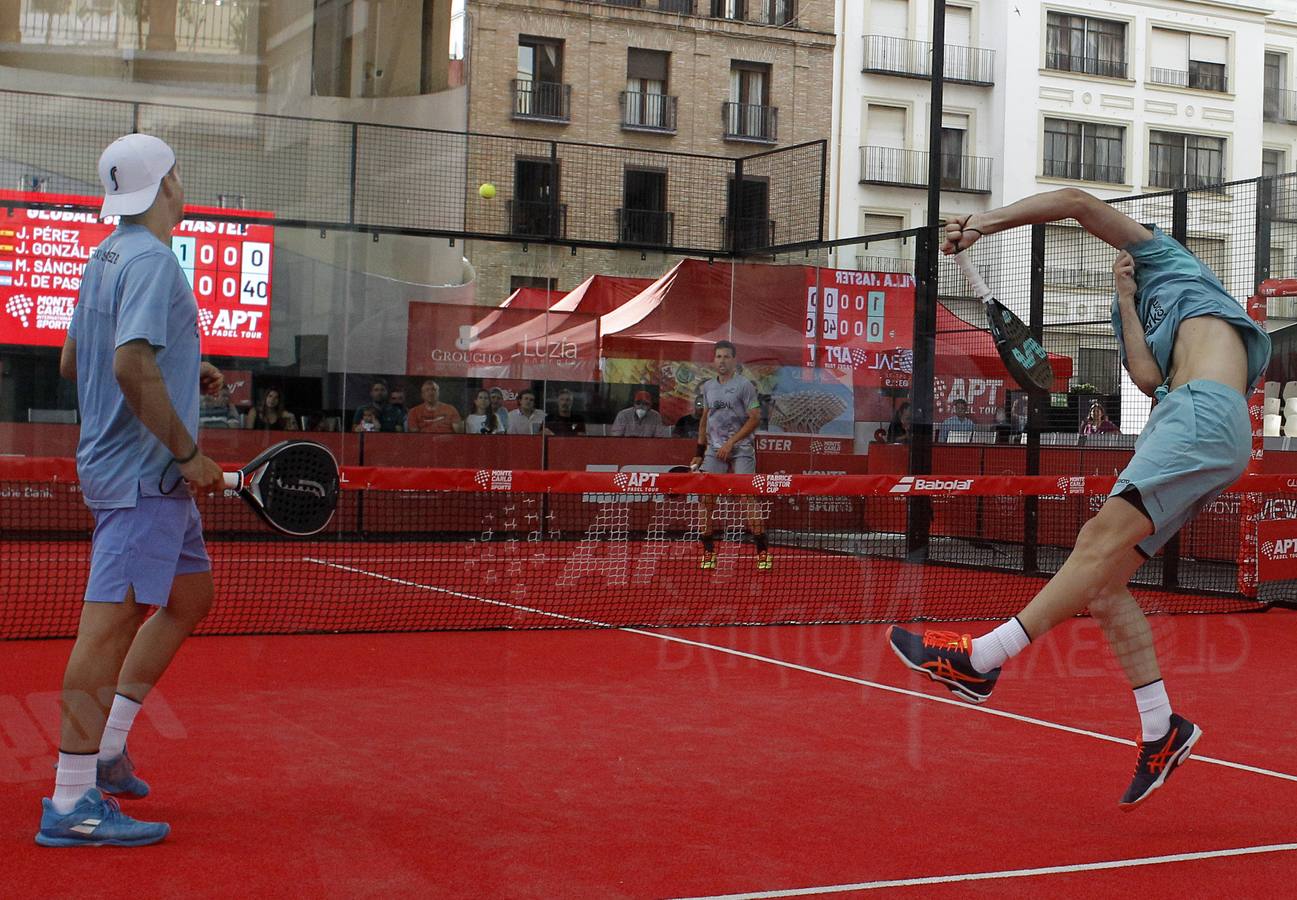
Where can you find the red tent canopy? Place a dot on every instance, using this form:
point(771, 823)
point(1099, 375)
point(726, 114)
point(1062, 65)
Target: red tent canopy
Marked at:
point(600, 294)
point(531, 298)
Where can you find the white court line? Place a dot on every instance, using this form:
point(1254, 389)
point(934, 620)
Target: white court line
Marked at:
point(1007, 873)
point(796, 667)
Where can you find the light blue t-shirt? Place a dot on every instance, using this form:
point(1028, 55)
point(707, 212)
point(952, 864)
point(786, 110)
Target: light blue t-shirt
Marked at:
point(728, 405)
point(1173, 285)
point(133, 288)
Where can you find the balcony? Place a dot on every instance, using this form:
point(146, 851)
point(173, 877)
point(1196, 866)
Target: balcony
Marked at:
point(1199, 79)
point(190, 26)
point(649, 227)
point(886, 55)
point(884, 264)
point(684, 7)
point(909, 168)
point(1086, 65)
point(1178, 181)
point(1086, 279)
point(750, 122)
point(648, 112)
point(537, 218)
point(541, 101)
point(1280, 105)
point(1055, 168)
point(746, 233)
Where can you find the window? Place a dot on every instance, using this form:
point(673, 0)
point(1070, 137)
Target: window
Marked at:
point(1085, 151)
point(1272, 162)
point(890, 18)
point(539, 91)
point(1084, 44)
point(1185, 160)
point(331, 53)
point(883, 256)
point(747, 222)
point(532, 281)
point(748, 115)
point(646, 102)
point(534, 210)
point(954, 131)
point(729, 9)
point(643, 217)
point(1188, 60)
point(1273, 103)
point(781, 12)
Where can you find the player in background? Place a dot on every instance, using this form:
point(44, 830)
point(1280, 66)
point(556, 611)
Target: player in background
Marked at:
point(731, 412)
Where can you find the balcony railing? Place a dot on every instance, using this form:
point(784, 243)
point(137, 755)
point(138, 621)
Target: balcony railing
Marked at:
point(884, 264)
point(197, 26)
point(1185, 181)
point(1201, 79)
point(648, 112)
point(1057, 168)
point(1280, 105)
point(542, 101)
point(747, 232)
point(750, 122)
point(909, 168)
point(1087, 279)
point(886, 55)
point(654, 227)
point(677, 6)
point(1086, 65)
point(537, 218)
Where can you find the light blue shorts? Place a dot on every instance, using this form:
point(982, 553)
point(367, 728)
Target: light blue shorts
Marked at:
point(739, 463)
point(145, 547)
point(1196, 444)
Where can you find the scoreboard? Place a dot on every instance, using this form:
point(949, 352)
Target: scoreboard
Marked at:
point(43, 252)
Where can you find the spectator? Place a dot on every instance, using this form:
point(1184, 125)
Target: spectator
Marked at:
point(1020, 413)
point(369, 419)
point(482, 420)
point(390, 418)
point(638, 420)
point(687, 426)
point(397, 402)
point(564, 422)
point(498, 408)
point(960, 421)
point(216, 410)
point(270, 414)
point(432, 416)
point(526, 419)
point(767, 405)
point(898, 431)
point(1097, 422)
point(1003, 426)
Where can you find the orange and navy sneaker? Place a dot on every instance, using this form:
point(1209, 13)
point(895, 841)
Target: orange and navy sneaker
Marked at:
point(944, 657)
point(709, 560)
point(1158, 759)
point(765, 561)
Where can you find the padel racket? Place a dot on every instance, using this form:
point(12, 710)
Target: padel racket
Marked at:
point(680, 470)
point(292, 486)
point(1021, 353)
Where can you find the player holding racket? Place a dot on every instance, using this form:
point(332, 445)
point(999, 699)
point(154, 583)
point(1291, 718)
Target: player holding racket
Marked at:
point(133, 351)
point(731, 412)
point(1188, 343)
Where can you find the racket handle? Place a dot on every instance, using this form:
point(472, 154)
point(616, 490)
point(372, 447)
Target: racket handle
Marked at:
point(234, 480)
point(974, 277)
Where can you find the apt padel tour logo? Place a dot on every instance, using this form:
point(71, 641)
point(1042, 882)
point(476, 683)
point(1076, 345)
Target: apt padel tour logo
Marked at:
point(1282, 550)
point(636, 482)
point(494, 479)
point(20, 306)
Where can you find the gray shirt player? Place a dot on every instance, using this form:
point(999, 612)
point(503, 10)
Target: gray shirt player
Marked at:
point(727, 407)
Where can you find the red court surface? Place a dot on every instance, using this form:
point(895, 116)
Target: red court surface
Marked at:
point(611, 763)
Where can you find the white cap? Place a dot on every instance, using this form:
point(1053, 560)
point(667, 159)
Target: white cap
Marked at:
point(131, 169)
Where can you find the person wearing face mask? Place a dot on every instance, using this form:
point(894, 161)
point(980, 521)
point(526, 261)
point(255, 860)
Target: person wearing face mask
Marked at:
point(638, 420)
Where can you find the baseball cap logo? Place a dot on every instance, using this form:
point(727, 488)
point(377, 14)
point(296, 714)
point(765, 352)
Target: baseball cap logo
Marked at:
point(112, 173)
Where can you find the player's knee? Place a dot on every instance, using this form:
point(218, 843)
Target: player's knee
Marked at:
point(192, 604)
point(1099, 542)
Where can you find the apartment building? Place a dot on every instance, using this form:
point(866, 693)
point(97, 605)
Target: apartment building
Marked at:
point(721, 78)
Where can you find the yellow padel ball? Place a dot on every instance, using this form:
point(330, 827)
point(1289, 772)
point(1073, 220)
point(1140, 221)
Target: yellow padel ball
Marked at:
point(486, 191)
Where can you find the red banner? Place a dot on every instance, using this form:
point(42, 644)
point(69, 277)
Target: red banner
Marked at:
point(1277, 543)
point(861, 322)
point(43, 252)
point(472, 342)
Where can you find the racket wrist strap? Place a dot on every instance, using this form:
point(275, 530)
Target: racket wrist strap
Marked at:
point(192, 454)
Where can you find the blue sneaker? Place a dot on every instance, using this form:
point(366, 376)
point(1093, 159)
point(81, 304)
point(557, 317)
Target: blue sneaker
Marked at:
point(96, 821)
point(946, 658)
point(117, 777)
point(1158, 759)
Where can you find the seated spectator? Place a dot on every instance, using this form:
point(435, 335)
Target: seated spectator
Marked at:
point(526, 419)
point(898, 431)
point(687, 426)
point(368, 419)
point(498, 409)
point(482, 420)
point(270, 414)
point(216, 411)
point(432, 416)
point(1003, 426)
point(390, 418)
point(960, 421)
point(638, 420)
point(397, 402)
point(1097, 422)
point(564, 422)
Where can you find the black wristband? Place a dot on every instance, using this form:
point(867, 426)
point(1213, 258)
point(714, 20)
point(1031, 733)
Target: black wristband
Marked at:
point(701, 450)
point(181, 462)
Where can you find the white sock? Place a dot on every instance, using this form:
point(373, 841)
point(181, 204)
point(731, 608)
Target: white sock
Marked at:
point(75, 776)
point(1154, 710)
point(120, 719)
point(992, 650)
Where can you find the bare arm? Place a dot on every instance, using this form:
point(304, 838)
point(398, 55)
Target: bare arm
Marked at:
point(68, 360)
point(1141, 365)
point(1098, 218)
point(136, 370)
point(702, 436)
